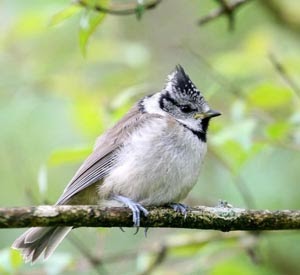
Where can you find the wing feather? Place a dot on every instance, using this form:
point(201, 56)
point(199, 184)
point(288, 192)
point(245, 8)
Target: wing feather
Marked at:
point(104, 155)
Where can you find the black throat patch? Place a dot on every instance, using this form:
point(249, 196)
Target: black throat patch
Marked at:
point(201, 135)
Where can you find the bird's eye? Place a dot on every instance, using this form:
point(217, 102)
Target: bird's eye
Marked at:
point(186, 108)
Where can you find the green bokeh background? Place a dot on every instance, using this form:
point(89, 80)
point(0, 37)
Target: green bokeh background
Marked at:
point(55, 101)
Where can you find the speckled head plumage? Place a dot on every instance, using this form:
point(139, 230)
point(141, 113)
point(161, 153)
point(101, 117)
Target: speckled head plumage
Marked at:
point(181, 99)
point(179, 85)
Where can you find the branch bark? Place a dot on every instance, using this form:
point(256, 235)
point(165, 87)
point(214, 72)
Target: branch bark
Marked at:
point(227, 9)
point(201, 217)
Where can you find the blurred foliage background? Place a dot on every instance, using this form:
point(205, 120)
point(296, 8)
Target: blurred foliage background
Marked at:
point(68, 73)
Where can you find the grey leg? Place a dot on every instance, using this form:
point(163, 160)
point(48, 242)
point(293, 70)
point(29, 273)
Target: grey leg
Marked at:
point(180, 208)
point(135, 207)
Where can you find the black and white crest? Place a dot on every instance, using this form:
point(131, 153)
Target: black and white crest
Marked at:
point(179, 81)
point(182, 100)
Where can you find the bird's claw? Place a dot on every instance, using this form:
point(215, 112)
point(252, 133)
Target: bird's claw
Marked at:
point(180, 208)
point(136, 209)
point(224, 204)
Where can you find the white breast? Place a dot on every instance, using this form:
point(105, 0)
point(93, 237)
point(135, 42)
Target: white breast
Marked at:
point(159, 164)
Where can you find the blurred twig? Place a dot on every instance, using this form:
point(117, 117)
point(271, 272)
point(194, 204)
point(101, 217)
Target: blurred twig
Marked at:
point(94, 261)
point(227, 8)
point(229, 12)
point(159, 258)
point(286, 144)
point(216, 76)
point(200, 217)
point(248, 199)
point(239, 182)
point(31, 197)
point(281, 70)
point(120, 9)
point(162, 248)
point(281, 15)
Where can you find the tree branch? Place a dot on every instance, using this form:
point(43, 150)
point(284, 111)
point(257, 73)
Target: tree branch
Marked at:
point(282, 15)
point(284, 74)
point(201, 217)
point(227, 9)
point(127, 10)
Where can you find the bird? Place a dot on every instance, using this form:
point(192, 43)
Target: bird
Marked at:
point(151, 157)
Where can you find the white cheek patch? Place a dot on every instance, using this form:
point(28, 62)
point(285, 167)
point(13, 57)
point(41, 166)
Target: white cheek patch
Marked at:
point(151, 105)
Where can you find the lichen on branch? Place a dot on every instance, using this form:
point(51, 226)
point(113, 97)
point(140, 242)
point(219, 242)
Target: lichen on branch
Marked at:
point(201, 217)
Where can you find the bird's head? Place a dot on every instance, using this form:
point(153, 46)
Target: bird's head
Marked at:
point(181, 99)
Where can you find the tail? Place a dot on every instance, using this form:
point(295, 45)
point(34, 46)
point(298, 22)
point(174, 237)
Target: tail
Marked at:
point(38, 240)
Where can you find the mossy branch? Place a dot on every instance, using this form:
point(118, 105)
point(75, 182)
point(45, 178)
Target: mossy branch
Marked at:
point(201, 217)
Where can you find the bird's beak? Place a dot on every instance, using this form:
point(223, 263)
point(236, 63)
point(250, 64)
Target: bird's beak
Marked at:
point(208, 114)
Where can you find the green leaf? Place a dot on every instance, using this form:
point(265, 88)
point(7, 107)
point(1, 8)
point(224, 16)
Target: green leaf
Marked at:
point(277, 130)
point(89, 115)
point(139, 11)
point(240, 131)
point(269, 96)
point(64, 14)
point(89, 22)
point(187, 250)
point(236, 155)
point(10, 260)
point(240, 264)
point(15, 258)
point(186, 245)
point(68, 155)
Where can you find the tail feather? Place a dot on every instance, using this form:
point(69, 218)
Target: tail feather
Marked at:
point(36, 241)
point(55, 239)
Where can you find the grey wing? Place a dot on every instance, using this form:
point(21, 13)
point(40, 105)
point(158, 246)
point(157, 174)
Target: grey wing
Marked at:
point(104, 156)
point(91, 171)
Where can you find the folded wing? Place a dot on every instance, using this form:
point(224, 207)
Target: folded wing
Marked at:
point(105, 153)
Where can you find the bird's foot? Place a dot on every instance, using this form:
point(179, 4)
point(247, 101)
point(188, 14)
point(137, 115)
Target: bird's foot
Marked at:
point(136, 209)
point(180, 208)
point(224, 204)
